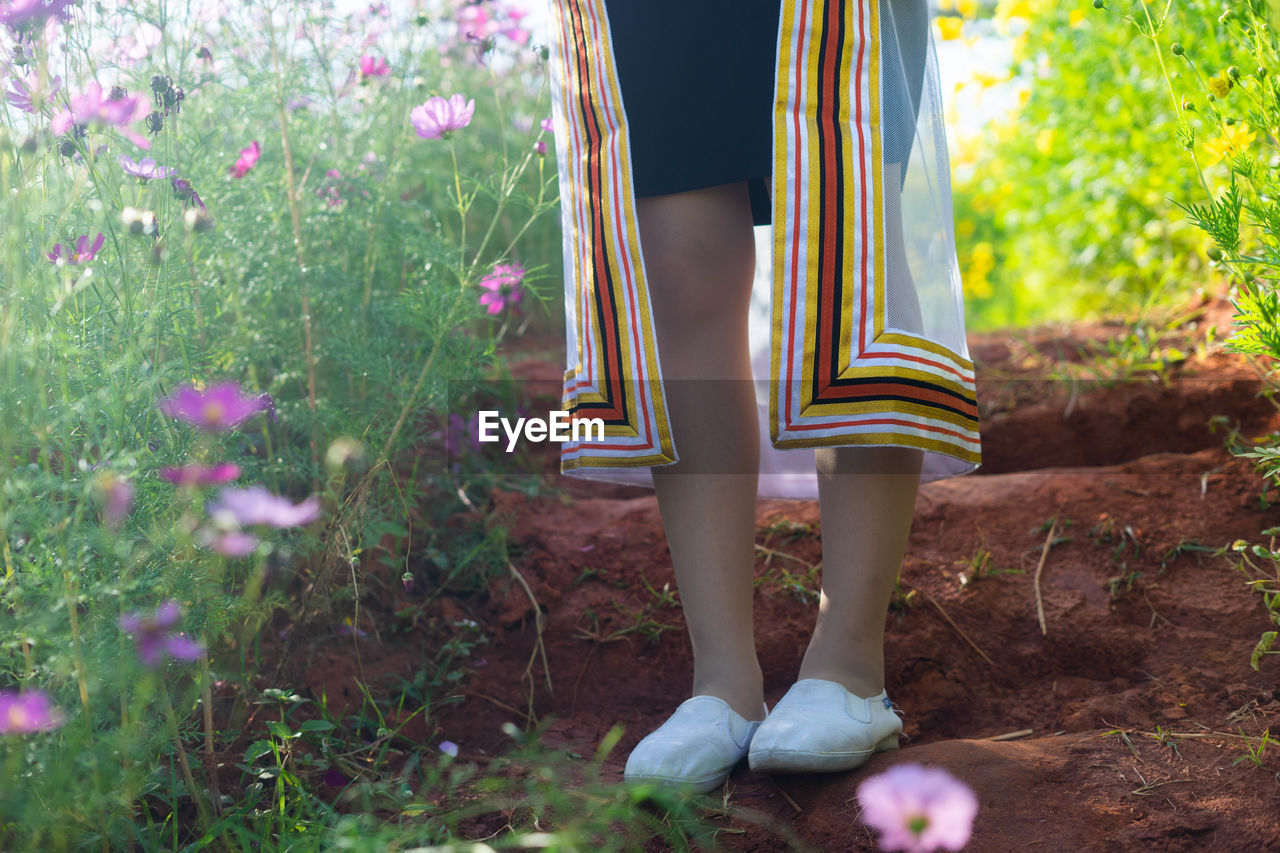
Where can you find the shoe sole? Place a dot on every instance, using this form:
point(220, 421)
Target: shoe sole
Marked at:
point(807, 761)
point(696, 786)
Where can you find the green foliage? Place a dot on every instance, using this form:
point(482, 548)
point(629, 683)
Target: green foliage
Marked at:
point(339, 274)
point(1262, 580)
point(1063, 210)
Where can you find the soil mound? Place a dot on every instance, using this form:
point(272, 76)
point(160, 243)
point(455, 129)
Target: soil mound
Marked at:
point(1121, 726)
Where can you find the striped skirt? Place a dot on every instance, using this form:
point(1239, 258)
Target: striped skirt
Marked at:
point(831, 110)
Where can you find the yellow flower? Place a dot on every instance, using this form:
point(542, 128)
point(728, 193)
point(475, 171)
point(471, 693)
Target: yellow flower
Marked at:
point(949, 26)
point(1220, 85)
point(1077, 15)
point(967, 8)
point(1044, 140)
point(986, 81)
point(1024, 95)
point(1006, 9)
point(1235, 138)
point(982, 260)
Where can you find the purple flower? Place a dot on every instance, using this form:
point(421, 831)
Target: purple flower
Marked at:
point(145, 169)
point(201, 475)
point(25, 93)
point(918, 809)
point(540, 147)
point(449, 748)
point(221, 407)
point(268, 404)
point(437, 116)
point(93, 108)
point(373, 66)
point(548, 125)
point(503, 287)
point(185, 192)
point(17, 14)
point(256, 505)
point(155, 637)
point(460, 429)
point(27, 712)
point(248, 159)
point(335, 778)
point(84, 251)
point(347, 628)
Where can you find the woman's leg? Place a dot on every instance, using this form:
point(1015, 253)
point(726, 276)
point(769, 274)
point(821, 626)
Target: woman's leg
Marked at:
point(699, 255)
point(867, 497)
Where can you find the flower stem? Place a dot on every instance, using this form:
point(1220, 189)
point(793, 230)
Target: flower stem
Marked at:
point(295, 213)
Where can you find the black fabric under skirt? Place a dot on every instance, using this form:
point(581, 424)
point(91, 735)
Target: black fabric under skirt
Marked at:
point(697, 83)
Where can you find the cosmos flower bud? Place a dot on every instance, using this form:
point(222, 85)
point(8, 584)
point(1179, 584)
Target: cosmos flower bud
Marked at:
point(139, 221)
point(342, 452)
point(1177, 49)
point(197, 219)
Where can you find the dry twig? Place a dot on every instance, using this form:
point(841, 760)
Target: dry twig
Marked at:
point(1011, 735)
point(1048, 542)
point(952, 623)
point(539, 647)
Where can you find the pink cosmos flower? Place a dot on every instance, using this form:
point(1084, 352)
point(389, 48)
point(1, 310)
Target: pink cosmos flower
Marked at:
point(248, 159)
point(437, 116)
point(221, 407)
point(196, 475)
point(83, 253)
point(25, 92)
point(256, 505)
point(918, 809)
point(146, 169)
point(92, 108)
point(26, 712)
point(503, 287)
point(517, 34)
point(373, 66)
point(548, 125)
point(117, 498)
point(228, 543)
point(16, 14)
point(154, 635)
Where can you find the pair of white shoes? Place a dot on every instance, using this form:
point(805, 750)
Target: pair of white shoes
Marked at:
point(817, 726)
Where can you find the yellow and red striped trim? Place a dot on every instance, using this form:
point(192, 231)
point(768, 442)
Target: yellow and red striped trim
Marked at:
point(842, 377)
point(613, 373)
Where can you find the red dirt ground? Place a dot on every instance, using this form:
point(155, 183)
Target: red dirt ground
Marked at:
point(1128, 718)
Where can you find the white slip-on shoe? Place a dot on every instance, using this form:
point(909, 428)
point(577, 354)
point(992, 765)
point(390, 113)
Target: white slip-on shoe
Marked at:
point(818, 726)
point(695, 748)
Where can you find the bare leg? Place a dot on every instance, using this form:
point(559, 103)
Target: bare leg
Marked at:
point(867, 496)
point(699, 254)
